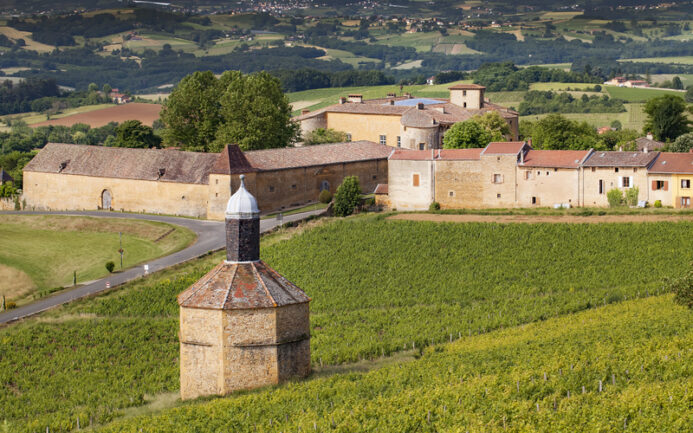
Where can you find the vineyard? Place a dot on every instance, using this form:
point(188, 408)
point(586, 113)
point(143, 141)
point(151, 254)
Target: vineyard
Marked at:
point(625, 367)
point(378, 287)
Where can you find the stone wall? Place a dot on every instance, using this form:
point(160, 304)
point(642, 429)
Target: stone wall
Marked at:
point(459, 184)
point(499, 180)
point(404, 195)
point(548, 186)
point(55, 191)
point(200, 352)
point(411, 138)
point(610, 178)
point(7, 203)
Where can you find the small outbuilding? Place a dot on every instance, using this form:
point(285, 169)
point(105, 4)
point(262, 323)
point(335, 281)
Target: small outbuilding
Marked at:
point(242, 325)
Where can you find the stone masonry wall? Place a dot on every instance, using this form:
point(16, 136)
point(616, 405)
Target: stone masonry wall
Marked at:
point(200, 352)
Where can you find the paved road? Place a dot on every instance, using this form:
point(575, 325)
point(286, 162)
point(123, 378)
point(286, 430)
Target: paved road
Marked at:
point(210, 237)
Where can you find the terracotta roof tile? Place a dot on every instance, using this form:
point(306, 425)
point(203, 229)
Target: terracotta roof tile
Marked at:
point(381, 188)
point(504, 147)
point(241, 286)
point(441, 154)
point(670, 162)
point(231, 160)
point(555, 158)
point(466, 87)
point(411, 155)
point(307, 156)
point(116, 162)
point(459, 154)
point(620, 159)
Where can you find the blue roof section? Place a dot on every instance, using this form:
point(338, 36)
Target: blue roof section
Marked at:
point(414, 101)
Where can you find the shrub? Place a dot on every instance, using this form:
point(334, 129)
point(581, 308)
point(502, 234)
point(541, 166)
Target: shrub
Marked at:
point(632, 196)
point(11, 305)
point(615, 197)
point(658, 203)
point(434, 206)
point(325, 196)
point(110, 266)
point(347, 197)
point(683, 288)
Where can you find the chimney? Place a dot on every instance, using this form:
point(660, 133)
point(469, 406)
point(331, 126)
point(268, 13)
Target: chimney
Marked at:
point(342, 100)
point(420, 106)
point(650, 136)
point(620, 148)
point(305, 111)
point(441, 109)
point(392, 102)
point(644, 150)
point(356, 98)
point(242, 227)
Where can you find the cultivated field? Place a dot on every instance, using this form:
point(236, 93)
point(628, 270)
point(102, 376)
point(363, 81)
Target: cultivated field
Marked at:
point(638, 95)
point(31, 44)
point(145, 113)
point(39, 253)
point(381, 288)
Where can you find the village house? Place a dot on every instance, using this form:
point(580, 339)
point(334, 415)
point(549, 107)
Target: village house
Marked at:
point(80, 177)
point(670, 179)
point(405, 121)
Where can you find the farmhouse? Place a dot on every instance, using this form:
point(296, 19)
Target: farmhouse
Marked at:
point(76, 177)
point(405, 122)
point(513, 174)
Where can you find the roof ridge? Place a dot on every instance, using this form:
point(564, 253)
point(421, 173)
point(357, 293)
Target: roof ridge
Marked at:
point(264, 286)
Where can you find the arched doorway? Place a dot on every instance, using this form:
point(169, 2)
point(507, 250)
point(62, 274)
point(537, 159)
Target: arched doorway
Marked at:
point(106, 199)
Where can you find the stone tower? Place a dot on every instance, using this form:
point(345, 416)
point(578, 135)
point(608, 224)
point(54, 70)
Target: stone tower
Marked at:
point(242, 325)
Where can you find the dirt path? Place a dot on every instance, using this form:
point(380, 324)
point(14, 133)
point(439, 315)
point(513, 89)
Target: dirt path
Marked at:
point(470, 218)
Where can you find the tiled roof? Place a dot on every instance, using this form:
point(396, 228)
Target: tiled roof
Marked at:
point(644, 142)
point(123, 163)
point(292, 157)
point(241, 286)
point(620, 159)
point(231, 160)
point(381, 188)
point(555, 158)
point(669, 162)
point(466, 87)
point(504, 147)
point(411, 155)
point(459, 154)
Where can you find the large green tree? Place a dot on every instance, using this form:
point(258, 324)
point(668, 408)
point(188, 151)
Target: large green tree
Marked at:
point(666, 117)
point(255, 113)
point(557, 132)
point(467, 134)
point(322, 136)
point(683, 143)
point(132, 133)
point(191, 114)
point(493, 122)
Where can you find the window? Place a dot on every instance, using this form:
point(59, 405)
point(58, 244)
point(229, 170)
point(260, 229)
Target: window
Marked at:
point(635, 170)
point(616, 170)
point(415, 179)
point(625, 181)
point(685, 183)
point(451, 193)
point(555, 169)
point(216, 194)
point(271, 189)
point(293, 186)
point(685, 202)
point(601, 186)
point(348, 137)
point(375, 176)
point(399, 141)
point(594, 169)
point(383, 139)
point(538, 173)
point(659, 185)
point(422, 146)
point(528, 175)
point(498, 196)
point(217, 181)
point(464, 93)
point(497, 178)
point(464, 105)
point(534, 200)
point(547, 173)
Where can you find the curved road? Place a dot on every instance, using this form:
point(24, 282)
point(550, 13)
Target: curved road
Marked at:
point(210, 237)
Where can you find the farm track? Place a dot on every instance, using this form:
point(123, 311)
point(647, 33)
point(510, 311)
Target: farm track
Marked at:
point(534, 219)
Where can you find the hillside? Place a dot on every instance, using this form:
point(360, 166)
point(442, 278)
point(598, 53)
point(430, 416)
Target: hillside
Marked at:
point(380, 288)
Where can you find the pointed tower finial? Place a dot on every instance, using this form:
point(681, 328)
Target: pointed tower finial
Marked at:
point(242, 226)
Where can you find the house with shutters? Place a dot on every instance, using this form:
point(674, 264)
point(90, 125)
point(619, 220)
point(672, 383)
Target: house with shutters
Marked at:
point(604, 171)
point(671, 177)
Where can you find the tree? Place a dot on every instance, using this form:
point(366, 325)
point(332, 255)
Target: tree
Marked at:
point(676, 83)
point(321, 136)
point(683, 288)
point(191, 114)
point(666, 117)
point(467, 134)
point(347, 196)
point(106, 89)
point(495, 124)
point(132, 133)
point(617, 125)
point(92, 87)
point(557, 132)
point(255, 113)
point(683, 143)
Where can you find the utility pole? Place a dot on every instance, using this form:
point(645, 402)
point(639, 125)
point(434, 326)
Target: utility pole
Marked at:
point(120, 250)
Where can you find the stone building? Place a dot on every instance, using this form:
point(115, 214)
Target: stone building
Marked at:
point(79, 177)
point(406, 122)
point(604, 171)
point(242, 325)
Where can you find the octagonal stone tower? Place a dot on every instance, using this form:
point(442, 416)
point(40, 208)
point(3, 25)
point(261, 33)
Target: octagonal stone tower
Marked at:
point(242, 325)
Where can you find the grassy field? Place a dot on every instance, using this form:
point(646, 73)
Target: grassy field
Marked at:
point(681, 60)
point(42, 252)
point(32, 117)
point(381, 285)
point(638, 95)
point(633, 118)
point(560, 86)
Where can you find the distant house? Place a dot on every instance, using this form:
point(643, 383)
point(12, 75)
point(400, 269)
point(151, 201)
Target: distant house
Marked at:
point(5, 177)
point(118, 98)
point(623, 82)
point(431, 80)
point(604, 130)
point(648, 143)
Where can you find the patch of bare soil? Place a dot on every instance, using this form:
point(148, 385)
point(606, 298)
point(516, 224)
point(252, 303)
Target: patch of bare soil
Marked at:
point(533, 219)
